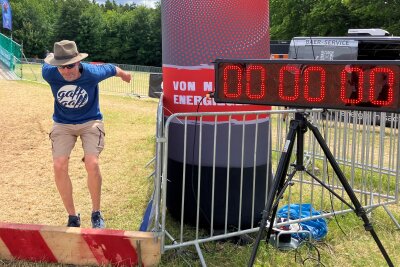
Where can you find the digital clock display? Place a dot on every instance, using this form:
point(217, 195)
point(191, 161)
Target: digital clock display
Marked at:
point(356, 85)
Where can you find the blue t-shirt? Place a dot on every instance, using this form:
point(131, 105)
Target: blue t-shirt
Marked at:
point(77, 102)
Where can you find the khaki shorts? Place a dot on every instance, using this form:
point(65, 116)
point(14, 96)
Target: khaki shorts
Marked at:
point(63, 137)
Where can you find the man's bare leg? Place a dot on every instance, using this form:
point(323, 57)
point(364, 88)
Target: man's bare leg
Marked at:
point(63, 183)
point(94, 180)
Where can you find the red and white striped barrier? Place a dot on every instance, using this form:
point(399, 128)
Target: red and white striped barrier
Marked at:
point(80, 246)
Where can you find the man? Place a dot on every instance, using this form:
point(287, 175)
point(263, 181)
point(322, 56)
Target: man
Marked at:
point(76, 113)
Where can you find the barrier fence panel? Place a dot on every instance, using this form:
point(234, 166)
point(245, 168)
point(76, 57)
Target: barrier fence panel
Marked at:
point(365, 145)
point(10, 52)
point(31, 69)
point(366, 150)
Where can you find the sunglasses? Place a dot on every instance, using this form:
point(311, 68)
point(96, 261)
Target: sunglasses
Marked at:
point(70, 66)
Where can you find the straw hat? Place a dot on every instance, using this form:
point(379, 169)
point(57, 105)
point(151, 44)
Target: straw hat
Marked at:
point(65, 53)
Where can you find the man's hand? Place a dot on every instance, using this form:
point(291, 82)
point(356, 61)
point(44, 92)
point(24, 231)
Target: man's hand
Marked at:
point(124, 75)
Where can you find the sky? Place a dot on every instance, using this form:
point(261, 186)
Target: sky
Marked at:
point(149, 3)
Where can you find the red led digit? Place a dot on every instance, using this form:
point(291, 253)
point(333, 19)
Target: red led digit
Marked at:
point(322, 88)
point(291, 70)
point(229, 77)
point(386, 92)
point(250, 84)
point(354, 81)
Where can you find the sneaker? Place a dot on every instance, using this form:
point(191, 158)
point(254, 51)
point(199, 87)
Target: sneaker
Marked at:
point(97, 220)
point(74, 221)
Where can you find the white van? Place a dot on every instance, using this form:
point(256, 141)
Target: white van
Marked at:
point(360, 44)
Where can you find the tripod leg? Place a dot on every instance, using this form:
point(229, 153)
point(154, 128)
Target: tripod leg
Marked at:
point(359, 210)
point(276, 203)
point(276, 188)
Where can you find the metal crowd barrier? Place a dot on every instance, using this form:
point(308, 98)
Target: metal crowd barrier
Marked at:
point(30, 69)
point(365, 145)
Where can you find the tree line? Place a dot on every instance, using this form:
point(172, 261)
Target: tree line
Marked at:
point(131, 34)
point(125, 34)
point(290, 18)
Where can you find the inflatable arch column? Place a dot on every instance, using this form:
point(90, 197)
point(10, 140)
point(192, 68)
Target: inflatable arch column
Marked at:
point(194, 33)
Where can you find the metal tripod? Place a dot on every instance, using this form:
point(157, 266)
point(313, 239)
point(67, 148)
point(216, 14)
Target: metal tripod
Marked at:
point(298, 126)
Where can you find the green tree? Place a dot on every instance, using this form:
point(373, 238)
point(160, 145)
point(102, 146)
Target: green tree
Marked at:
point(110, 5)
point(327, 18)
point(91, 32)
point(289, 18)
point(140, 34)
point(32, 25)
point(114, 45)
point(108, 32)
point(154, 47)
point(68, 21)
point(375, 14)
point(133, 36)
point(286, 17)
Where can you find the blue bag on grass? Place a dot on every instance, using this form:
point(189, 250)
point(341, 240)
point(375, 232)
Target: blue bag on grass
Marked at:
point(318, 228)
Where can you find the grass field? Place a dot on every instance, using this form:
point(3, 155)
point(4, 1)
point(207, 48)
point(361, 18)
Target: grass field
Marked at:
point(28, 193)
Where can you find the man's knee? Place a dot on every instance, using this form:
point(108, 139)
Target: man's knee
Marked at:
point(91, 163)
point(60, 164)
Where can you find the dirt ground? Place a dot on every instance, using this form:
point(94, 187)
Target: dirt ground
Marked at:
point(28, 193)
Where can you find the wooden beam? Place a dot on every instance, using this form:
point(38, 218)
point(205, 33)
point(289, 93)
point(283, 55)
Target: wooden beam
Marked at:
point(79, 246)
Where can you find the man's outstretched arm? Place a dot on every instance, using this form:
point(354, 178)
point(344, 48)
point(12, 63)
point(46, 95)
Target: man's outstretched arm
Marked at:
point(124, 75)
